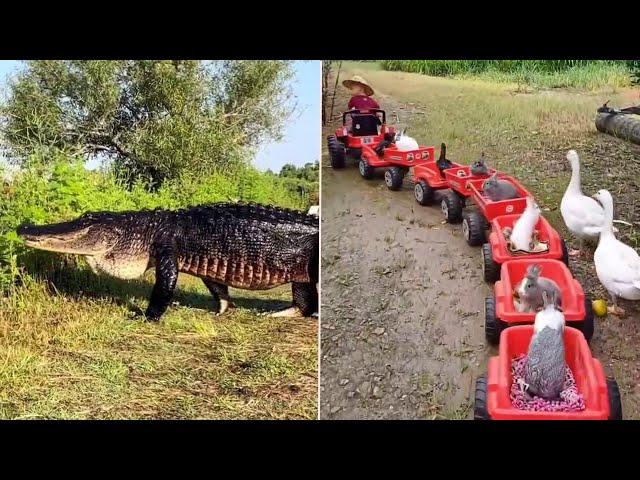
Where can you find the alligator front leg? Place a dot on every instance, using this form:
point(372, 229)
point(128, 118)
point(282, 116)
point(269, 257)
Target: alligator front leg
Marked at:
point(305, 301)
point(220, 293)
point(166, 278)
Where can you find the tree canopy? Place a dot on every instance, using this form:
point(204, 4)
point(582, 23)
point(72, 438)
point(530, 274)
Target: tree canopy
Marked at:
point(155, 120)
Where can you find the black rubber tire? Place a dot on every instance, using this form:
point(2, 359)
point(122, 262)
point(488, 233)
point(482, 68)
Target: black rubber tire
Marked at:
point(492, 326)
point(365, 169)
point(473, 228)
point(423, 193)
point(337, 152)
point(615, 404)
point(393, 178)
point(565, 253)
point(452, 206)
point(490, 269)
point(586, 326)
point(480, 411)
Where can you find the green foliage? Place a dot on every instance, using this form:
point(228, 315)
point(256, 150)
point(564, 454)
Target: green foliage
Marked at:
point(156, 120)
point(587, 74)
point(56, 187)
point(634, 67)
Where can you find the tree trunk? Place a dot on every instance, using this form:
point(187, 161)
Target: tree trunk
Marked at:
point(626, 127)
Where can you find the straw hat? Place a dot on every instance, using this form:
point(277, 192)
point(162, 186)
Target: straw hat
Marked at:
point(361, 81)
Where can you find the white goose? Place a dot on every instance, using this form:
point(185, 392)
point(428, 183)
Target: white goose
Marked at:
point(617, 264)
point(583, 216)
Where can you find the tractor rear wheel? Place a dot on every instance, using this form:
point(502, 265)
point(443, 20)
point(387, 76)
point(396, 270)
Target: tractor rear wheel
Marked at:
point(452, 206)
point(393, 178)
point(473, 227)
point(480, 411)
point(615, 405)
point(337, 152)
point(490, 269)
point(366, 170)
point(492, 326)
point(423, 193)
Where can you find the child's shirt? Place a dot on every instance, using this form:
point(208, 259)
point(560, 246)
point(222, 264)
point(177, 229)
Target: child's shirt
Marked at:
point(362, 102)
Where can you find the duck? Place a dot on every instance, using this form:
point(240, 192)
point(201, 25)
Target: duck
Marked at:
point(583, 216)
point(617, 264)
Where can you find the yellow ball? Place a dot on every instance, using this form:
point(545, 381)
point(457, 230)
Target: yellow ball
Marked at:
point(599, 307)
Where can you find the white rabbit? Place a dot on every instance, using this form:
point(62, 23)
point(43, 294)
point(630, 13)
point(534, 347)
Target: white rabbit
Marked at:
point(405, 143)
point(522, 233)
point(314, 210)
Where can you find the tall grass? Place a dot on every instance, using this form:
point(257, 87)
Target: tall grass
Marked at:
point(583, 74)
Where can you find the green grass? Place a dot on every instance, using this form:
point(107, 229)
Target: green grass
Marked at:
point(582, 74)
point(72, 348)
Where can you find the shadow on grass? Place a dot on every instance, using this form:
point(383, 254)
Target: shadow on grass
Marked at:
point(65, 276)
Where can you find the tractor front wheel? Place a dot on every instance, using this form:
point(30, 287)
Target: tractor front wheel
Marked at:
point(473, 227)
point(366, 170)
point(423, 193)
point(565, 253)
point(393, 178)
point(452, 206)
point(337, 152)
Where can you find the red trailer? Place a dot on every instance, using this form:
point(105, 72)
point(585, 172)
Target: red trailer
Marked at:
point(496, 251)
point(601, 395)
point(500, 310)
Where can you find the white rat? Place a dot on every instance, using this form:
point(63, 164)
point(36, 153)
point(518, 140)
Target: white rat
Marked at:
point(522, 233)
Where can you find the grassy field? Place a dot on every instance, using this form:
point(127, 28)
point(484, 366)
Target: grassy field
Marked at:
point(580, 74)
point(72, 348)
point(527, 135)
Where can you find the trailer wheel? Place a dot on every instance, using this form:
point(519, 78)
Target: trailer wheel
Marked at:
point(565, 253)
point(492, 326)
point(337, 152)
point(586, 325)
point(490, 269)
point(615, 404)
point(366, 170)
point(452, 206)
point(480, 411)
point(423, 193)
point(393, 178)
point(473, 227)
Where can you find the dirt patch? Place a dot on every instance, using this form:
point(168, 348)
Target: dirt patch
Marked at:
point(403, 297)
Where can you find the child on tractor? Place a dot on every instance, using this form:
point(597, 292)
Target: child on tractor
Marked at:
point(361, 93)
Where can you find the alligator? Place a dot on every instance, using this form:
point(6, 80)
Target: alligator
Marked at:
point(247, 246)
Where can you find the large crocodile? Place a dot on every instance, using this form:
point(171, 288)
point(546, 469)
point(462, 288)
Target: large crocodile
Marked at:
point(245, 246)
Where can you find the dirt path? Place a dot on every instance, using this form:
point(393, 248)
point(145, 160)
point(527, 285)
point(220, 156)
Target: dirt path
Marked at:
point(402, 324)
point(402, 293)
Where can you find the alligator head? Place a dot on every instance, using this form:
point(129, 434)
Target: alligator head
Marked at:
point(92, 234)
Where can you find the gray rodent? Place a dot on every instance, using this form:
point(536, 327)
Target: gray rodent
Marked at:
point(532, 288)
point(498, 190)
point(479, 167)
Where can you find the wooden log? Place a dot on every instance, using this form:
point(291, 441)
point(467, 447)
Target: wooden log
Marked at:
point(621, 126)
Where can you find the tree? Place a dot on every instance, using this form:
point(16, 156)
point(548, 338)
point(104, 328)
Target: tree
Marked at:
point(154, 120)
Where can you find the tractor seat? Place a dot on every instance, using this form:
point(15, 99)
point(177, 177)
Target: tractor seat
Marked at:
point(364, 125)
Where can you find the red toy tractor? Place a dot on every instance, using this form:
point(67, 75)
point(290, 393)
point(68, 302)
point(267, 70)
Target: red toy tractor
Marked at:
point(368, 127)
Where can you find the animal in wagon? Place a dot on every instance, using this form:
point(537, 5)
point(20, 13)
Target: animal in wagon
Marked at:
point(497, 190)
point(583, 216)
point(404, 142)
point(314, 210)
point(545, 368)
point(523, 236)
point(443, 163)
point(479, 167)
point(617, 264)
point(528, 296)
point(245, 246)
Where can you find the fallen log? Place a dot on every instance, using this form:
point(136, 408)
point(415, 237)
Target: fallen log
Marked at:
point(622, 125)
